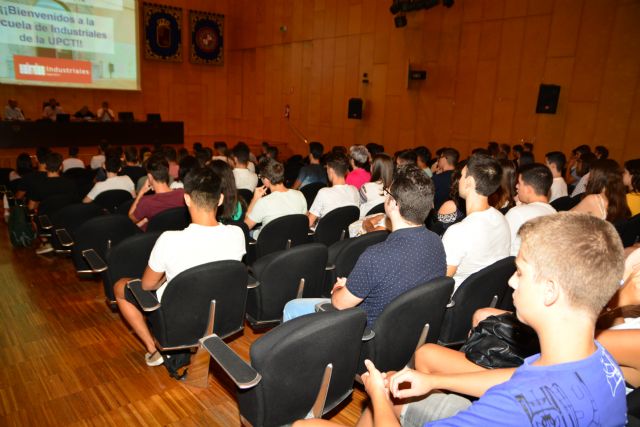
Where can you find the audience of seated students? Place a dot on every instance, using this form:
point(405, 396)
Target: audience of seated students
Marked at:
point(84, 114)
point(245, 179)
point(97, 161)
point(105, 114)
point(442, 177)
point(340, 193)
point(555, 161)
point(483, 236)
point(113, 182)
point(132, 167)
point(204, 241)
point(534, 182)
point(423, 159)
point(504, 198)
point(12, 112)
point(526, 158)
point(359, 162)
point(51, 110)
point(410, 256)
point(631, 180)
point(406, 157)
point(601, 152)
point(146, 207)
point(272, 152)
point(605, 192)
point(72, 161)
point(24, 187)
point(171, 155)
point(493, 148)
point(372, 193)
point(453, 210)
point(505, 151)
point(572, 176)
point(314, 171)
point(233, 208)
point(562, 281)
point(280, 201)
point(220, 151)
point(517, 151)
point(583, 165)
point(186, 165)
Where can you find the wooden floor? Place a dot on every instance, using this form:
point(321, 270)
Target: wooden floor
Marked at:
point(66, 359)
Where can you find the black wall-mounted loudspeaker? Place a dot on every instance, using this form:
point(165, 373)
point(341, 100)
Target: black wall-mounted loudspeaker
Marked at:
point(355, 108)
point(548, 99)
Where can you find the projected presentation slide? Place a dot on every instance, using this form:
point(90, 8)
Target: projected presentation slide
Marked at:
point(71, 43)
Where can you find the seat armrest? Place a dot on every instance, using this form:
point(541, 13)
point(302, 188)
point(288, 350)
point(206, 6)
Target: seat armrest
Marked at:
point(147, 301)
point(45, 222)
point(253, 242)
point(368, 334)
point(252, 282)
point(94, 260)
point(330, 267)
point(238, 370)
point(64, 237)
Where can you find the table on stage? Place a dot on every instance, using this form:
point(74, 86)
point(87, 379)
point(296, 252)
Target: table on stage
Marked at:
point(58, 134)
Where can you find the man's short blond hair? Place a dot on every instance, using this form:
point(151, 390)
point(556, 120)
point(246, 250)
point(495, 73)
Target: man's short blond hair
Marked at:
point(579, 252)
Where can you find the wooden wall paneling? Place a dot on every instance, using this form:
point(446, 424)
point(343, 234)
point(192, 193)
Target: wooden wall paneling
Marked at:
point(596, 24)
point(493, 9)
point(249, 91)
point(432, 34)
point(515, 8)
point(511, 49)
point(448, 55)
point(632, 143)
point(472, 11)
point(330, 18)
point(327, 80)
point(580, 127)
point(391, 123)
point(531, 74)
point(502, 120)
point(374, 114)
point(621, 74)
point(565, 25)
point(318, 20)
point(480, 130)
point(339, 100)
point(354, 18)
point(466, 78)
point(316, 83)
point(490, 40)
point(342, 18)
point(551, 127)
point(540, 7)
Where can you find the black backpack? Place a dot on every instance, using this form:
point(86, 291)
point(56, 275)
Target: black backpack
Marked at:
point(174, 361)
point(21, 230)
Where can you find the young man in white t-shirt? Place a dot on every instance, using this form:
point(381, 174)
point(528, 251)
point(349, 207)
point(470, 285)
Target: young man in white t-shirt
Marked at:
point(483, 237)
point(72, 161)
point(534, 182)
point(113, 182)
point(556, 162)
point(245, 179)
point(340, 193)
point(204, 241)
point(280, 202)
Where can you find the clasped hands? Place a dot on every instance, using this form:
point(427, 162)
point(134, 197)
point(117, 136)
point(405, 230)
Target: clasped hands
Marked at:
point(414, 383)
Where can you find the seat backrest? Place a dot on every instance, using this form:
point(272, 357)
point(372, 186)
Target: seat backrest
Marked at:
point(124, 207)
point(83, 179)
point(100, 233)
point(565, 203)
point(170, 219)
point(184, 313)
point(292, 358)
point(111, 199)
point(351, 251)
point(630, 231)
point(477, 291)
point(129, 258)
point(56, 202)
point(335, 225)
point(73, 216)
point(275, 235)
point(377, 209)
point(400, 324)
point(279, 275)
point(310, 191)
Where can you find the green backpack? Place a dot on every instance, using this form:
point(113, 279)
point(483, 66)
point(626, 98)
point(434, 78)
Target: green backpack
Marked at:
point(21, 230)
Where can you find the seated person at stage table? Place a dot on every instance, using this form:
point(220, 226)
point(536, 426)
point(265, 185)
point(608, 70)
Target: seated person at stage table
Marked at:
point(204, 241)
point(84, 114)
point(340, 193)
point(105, 114)
point(12, 112)
point(72, 161)
point(51, 110)
point(314, 171)
point(409, 257)
point(113, 181)
point(564, 281)
point(281, 200)
point(146, 207)
point(483, 236)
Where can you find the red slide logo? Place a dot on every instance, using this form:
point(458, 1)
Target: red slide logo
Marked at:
point(51, 69)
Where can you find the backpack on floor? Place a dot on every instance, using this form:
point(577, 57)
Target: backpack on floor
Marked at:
point(174, 361)
point(21, 230)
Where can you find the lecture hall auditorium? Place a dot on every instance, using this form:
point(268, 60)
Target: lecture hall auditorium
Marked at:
point(368, 162)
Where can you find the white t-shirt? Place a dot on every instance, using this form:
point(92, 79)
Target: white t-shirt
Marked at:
point(245, 179)
point(371, 195)
point(114, 183)
point(337, 196)
point(558, 189)
point(520, 214)
point(71, 163)
point(97, 161)
point(277, 204)
point(177, 251)
point(477, 241)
